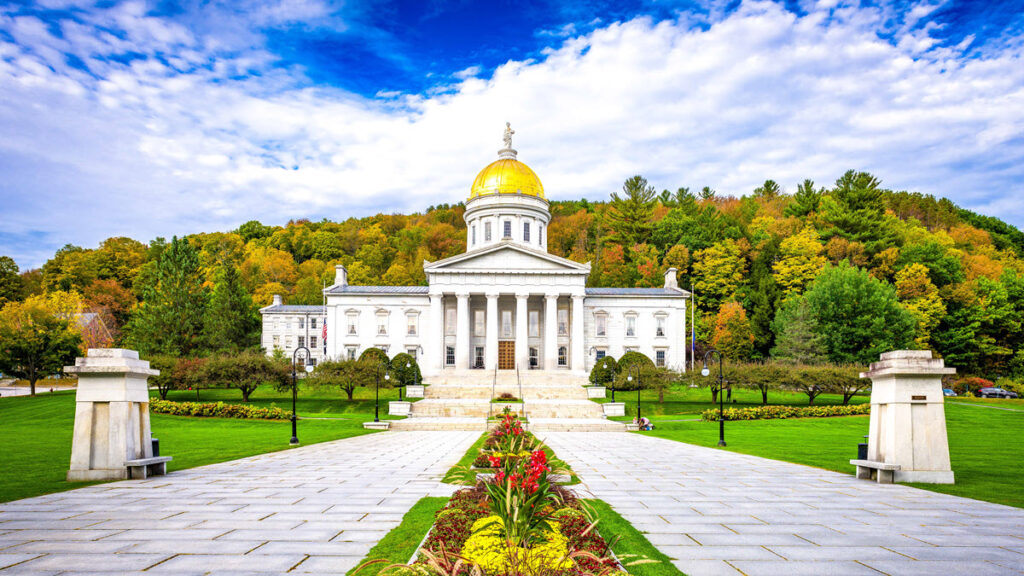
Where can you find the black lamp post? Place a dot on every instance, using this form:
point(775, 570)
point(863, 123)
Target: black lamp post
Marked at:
point(295, 390)
point(612, 379)
point(721, 384)
point(629, 378)
point(376, 390)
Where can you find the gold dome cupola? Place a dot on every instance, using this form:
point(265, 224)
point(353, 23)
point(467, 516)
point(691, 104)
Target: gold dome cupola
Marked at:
point(507, 175)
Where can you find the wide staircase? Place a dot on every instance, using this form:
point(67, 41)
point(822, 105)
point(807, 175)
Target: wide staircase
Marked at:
point(551, 401)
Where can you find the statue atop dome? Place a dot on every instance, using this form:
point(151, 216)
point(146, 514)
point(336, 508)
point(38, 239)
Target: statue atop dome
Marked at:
point(508, 135)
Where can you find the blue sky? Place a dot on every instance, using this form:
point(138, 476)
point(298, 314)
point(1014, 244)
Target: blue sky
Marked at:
point(157, 118)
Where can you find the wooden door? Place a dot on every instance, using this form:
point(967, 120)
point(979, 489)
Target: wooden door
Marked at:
point(506, 355)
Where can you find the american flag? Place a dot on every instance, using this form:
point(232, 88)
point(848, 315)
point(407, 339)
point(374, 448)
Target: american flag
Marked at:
point(324, 334)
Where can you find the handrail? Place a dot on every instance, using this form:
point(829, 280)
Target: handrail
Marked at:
point(519, 380)
point(494, 383)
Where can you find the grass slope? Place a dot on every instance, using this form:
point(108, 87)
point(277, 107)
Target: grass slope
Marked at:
point(37, 434)
point(399, 544)
point(634, 551)
point(985, 459)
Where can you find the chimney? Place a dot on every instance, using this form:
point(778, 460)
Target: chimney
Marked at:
point(670, 279)
point(277, 300)
point(340, 276)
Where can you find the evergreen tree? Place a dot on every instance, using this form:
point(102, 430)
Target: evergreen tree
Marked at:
point(805, 201)
point(232, 322)
point(797, 339)
point(629, 217)
point(855, 210)
point(170, 318)
point(12, 287)
point(763, 298)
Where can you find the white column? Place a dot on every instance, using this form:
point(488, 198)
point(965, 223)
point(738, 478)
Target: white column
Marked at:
point(462, 331)
point(550, 331)
point(433, 341)
point(576, 350)
point(491, 350)
point(522, 343)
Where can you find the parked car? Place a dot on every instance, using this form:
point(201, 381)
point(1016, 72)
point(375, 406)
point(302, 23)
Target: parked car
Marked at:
point(948, 392)
point(996, 393)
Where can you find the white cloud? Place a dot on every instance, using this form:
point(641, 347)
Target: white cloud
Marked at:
point(164, 146)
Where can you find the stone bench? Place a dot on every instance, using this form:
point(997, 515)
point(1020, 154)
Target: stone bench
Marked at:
point(143, 467)
point(868, 468)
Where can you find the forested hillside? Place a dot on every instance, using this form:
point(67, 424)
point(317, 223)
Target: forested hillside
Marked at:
point(794, 275)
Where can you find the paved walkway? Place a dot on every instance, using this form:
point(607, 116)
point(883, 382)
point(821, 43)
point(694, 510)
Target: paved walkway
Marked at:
point(316, 509)
point(716, 512)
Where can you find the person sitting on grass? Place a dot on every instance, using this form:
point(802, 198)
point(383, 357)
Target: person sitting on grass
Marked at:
point(645, 424)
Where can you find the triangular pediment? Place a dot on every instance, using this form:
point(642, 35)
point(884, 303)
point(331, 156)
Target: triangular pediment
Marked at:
point(507, 257)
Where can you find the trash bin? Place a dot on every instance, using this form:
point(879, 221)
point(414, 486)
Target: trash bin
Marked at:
point(862, 450)
point(156, 446)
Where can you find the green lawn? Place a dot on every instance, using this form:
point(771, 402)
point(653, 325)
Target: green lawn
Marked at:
point(632, 548)
point(687, 403)
point(398, 545)
point(985, 455)
point(311, 402)
point(37, 433)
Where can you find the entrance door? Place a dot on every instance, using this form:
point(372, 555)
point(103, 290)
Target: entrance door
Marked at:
point(506, 355)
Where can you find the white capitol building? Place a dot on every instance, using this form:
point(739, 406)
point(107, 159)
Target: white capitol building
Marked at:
point(506, 303)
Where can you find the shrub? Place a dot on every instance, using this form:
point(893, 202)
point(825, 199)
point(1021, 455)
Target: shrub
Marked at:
point(782, 412)
point(630, 358)
point(375, 356)
point(218, 410)
point(1011, 385)
point(960, 385)
point(603, 372)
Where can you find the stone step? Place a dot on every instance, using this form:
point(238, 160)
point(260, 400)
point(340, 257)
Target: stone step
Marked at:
point(561, 408)
point(532, 391)
point(435, 423)
point(540, 425)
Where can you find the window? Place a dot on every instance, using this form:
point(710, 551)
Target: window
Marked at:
point(382, 348)
point(534, 358)
point(506, 323)
point(312, 361)
point(301, 324)
point(312, 323)
point(351, 352)
point(302, 341)
point(472, 235)
point(563, 356)
point(526, 231)
point(599, 354)
point(534, 323)
point(660, 326)
point(288, 342)
point(412, 352)
point(563, 321)
point(507, 229)
point(540, 236)
point(412, 325)
point(487, 231)
point(659, 358)
point(631, 325)
point(277, 341)
point(478, 323)
point(312, 341)
point(353, 323)
point(600, 324)
point(478, 357)
point(449, 355)
point(275, 324)
point(382, 324)
point(449, 320)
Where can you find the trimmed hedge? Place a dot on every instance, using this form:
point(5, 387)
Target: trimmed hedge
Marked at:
point(218, 410)
point(771, 412)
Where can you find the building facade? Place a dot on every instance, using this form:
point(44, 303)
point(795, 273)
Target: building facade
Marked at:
point(505, 303)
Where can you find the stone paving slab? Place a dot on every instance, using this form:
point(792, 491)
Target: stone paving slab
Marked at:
point(314, 509)
point(719, 513)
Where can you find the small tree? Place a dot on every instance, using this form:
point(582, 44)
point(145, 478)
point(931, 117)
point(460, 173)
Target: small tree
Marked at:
point(188, 374)
point(808, 379)
point(35, 342)
point(164, 381)
point(403, 376)
point(796, 331)
point(761, 376)
point(375, 356)
point(245, 371)
point(846, 380)
point(345, 374)
point(603, 371)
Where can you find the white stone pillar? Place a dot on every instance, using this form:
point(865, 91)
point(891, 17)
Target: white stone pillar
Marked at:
point(111, 414)
point(433, 342)
point(908, 421)
point(522, 342)
point(462, 331)
point(491, 342)
point(576, 350)
point(550, 331)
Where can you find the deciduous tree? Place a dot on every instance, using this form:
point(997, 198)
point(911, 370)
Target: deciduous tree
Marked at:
point(732, 334)
point(344, 374)
point(36, 340)
point(921, 298)
point(800, 262)
point(245, 371)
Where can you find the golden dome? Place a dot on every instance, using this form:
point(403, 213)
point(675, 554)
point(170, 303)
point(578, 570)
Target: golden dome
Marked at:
point(507, 176)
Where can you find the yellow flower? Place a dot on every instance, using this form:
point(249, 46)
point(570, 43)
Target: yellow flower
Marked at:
point(487, 548)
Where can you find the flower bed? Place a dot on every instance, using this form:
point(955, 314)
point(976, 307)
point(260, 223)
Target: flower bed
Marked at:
point(770, 412)
point(517, 523)
point(217, 410)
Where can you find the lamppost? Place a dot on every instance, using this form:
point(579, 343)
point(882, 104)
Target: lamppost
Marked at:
point(629, 378)
point(376, 390)
point(295, 389)
point(612, 379)
point(721, 383)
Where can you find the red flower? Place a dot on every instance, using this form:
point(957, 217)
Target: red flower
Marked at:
point(495, 461)
point(500, 477)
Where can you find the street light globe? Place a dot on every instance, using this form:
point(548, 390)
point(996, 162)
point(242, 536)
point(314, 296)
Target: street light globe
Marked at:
point(387, 376)
point(309, 368)
point(705, 372)
point(629, 378)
